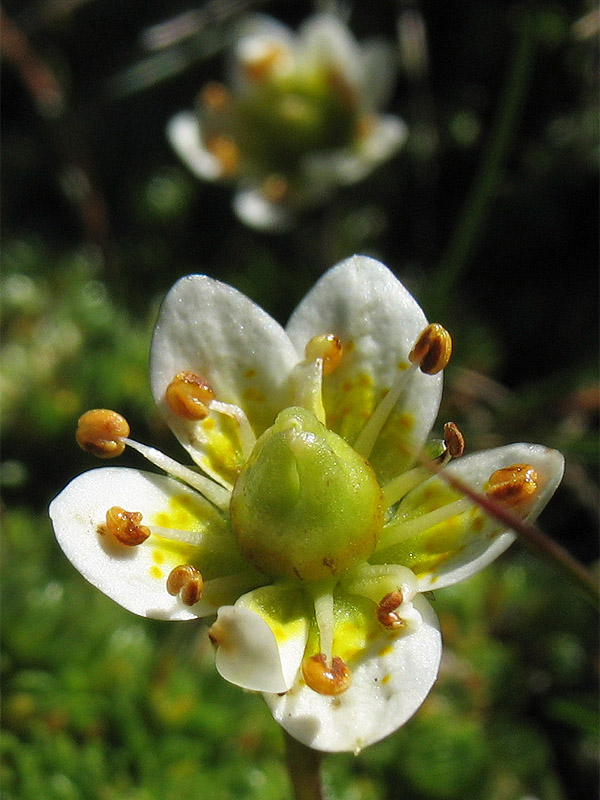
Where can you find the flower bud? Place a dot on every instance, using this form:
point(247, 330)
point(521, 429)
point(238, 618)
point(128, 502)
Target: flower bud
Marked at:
point(305, 505)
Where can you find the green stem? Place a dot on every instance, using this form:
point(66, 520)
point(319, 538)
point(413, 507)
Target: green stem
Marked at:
point(304, 768)
point(484, 187)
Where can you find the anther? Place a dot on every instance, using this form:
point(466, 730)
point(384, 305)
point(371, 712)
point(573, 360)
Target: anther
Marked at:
point(261, 60)
point(227, 153)
point(185, 581)
point(188, 395)
point(125, 526)
point(513, 485)
point(100, 430)
point(453, 440)
point(432, 349)
point(276, 188)
point(328, 347)
point(323, 678)
point(214, 96)
point(387, 611)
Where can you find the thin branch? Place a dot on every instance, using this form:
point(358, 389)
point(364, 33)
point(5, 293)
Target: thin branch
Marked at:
point(304, 768)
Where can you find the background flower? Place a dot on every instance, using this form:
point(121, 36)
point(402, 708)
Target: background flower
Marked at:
point(298, 117)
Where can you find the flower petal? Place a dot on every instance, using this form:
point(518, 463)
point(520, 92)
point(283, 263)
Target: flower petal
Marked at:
point(214, 331)
point(453, 550)
point(253, 208)
point(378, 321)
point(185, 136)
point(135, 577)
point(261, 639)
point(389, 683)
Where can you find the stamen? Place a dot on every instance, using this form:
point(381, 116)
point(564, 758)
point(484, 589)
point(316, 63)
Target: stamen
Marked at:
point(328, 348)
point(400, 530)
point(185, 581)
point(227, 153)
point(368, 436)
point(375, 581)
point(324, 679)
point(260, 59)
point(100, 432)
point(513, 485)
point(214, 96)
point(275, 188)
point(395, 489)
point(454, 440)
point(216, 494)
point(323, 605)
point(432, 349)
point(387, 611)
point(188, 395)
point(125, 526)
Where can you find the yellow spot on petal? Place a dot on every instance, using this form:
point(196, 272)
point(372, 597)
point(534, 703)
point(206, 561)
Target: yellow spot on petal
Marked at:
point(253, 395)
point(156, 573)
point(158, 557)
point(385, 651)
point(250, 373)
point(386, 679)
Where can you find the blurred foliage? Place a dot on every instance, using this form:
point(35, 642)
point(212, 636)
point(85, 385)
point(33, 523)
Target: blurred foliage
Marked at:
point(99, 219)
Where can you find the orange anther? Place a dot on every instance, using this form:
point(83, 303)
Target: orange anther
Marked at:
point(185, 581)
point(432, 349)
point(188, 395)
point(454, 440)
point(323, 678)
point(125, 526)
point(387, 611)
point(513, 485)
point(328, 347)
point(99, 431)
point(214, 96)
point(227, 153)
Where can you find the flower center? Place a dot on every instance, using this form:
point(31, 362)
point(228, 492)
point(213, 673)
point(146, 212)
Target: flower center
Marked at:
point(306, 505)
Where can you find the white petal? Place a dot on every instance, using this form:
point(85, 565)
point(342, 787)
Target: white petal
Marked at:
point(385, 138)
point(388, 685)
point(253, 209)
point(378, 321)
point(249, 654)
point(214, 331)
point(135, 577)
point(326, 42)
point(184, 134)
point(484, 545)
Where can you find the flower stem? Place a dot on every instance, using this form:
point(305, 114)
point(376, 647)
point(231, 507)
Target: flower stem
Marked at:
point(485, 184)
point(304, 768)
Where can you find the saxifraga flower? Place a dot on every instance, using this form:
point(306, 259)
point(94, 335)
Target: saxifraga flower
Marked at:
point(298, 117)
point(309, 526)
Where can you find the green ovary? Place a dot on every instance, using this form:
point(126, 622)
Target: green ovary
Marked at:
point(305, 505)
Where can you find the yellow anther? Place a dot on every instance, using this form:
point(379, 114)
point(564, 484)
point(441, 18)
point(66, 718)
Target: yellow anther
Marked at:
point(432, 349)
point(99, 431)
point(227, 153)
point(328, 347)
point(513, 485)
point(387, 611)
point(188, 395)
point(125, 526)
point(275, 188)
point(260, 65)
point(454, 440)
point(323, 678)
point(185, 581)
point(214, 96)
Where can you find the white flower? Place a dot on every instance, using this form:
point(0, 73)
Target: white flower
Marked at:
point(308, 525)
point(300, 118)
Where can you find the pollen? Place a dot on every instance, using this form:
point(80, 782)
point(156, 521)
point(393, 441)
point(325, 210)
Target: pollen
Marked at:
point(513, 485)
point(432, 349)
point(387, 611)
point(185, 581)
point(326, 679)
point(227, 153)
point(125, 526)
point(327, 347)
point(454, 440)
point(188, 395)
point(99, 431)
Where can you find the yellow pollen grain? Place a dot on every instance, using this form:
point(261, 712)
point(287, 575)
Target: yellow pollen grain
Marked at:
point(156, 573)
point(208, 424)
